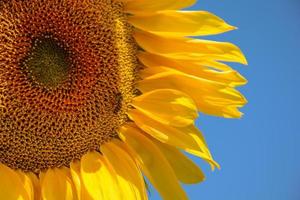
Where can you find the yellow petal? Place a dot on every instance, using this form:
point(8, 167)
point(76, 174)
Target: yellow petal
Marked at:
point(57, 185)
point(184, 138)
point(199, 138)
point(153, 163)
point(151, 59)
point(180, 23)
point(36, 185)
point(98, 177)
point(187, 48)
point(137, 6)
point(129, 177)
point(81, 192)
point(12, 185)
point(210, 97)
point(170, 107)
point(204, 71)
point(27, 184)
point(184, 168)
point(214, 65)
point(75, 173)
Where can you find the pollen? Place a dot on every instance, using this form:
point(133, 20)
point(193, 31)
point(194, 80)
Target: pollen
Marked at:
point(67, 75)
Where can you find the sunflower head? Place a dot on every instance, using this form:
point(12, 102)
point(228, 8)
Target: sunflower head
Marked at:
point(94, 95)
point(67, 74)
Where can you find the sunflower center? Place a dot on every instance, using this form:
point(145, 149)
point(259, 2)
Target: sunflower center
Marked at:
point(47, 62)
point(67, 78)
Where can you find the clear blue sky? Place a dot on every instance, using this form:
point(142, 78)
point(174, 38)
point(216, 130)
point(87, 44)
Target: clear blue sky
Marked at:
point(260, 153)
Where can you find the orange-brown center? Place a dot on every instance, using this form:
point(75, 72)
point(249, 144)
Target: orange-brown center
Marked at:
point(66, 79)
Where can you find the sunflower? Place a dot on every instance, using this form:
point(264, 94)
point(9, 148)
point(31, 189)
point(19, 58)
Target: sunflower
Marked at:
point(97, 96)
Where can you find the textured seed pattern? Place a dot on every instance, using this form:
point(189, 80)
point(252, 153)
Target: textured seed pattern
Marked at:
point(49, 121)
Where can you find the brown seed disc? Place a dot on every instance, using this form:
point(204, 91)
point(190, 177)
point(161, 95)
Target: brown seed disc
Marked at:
point(66, 79)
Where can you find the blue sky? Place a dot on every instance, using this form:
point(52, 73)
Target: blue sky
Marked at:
point(259, 153)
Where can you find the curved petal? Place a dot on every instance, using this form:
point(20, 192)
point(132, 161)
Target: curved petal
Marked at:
point(138, 6)
point(185, 169)
point(153, 163)
point(202, 70)
point(56, 184)
point(213, 65)
point(12, 186)
point(81, 192)
point(129, 177)
point(171, 107)
point(185, 138)
point(180, 23)
point(27, 184)
point(210, 97)
point(187, 48)
point(98, 177)
point(36, 185)
point(75, 173)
